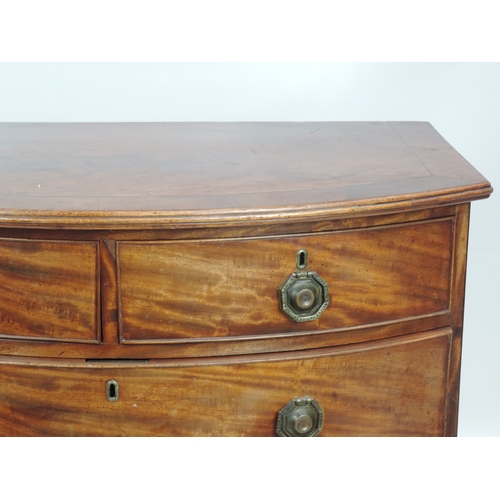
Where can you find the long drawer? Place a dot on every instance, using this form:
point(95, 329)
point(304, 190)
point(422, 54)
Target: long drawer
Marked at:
point(394, 387)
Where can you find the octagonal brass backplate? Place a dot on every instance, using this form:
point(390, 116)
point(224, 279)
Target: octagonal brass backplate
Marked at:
point(301, 417)
point(304, 296)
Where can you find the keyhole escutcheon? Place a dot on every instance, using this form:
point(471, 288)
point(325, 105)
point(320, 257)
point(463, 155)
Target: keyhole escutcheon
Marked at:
point(112, 390)
point(302, 258)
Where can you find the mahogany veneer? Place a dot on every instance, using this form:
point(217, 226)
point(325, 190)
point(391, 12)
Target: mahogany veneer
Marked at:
point(151, 280)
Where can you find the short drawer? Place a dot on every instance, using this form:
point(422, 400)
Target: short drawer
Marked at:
point(222, 289)
point(391, 387)
point(49, 290)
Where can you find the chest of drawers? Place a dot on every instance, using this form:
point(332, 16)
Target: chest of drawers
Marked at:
point(241, 279)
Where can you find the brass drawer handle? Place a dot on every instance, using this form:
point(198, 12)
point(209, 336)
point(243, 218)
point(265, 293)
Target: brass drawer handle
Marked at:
point(301, 417)
point(304, 296)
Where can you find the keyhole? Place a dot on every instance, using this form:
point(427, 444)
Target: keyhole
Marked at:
point(302, 259)
point(112, 390)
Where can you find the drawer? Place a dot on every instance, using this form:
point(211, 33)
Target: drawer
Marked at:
point(392, 387)
point(49, 290)
point(176, 291)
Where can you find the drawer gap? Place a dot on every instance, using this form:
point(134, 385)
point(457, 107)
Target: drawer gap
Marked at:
point(115, 361)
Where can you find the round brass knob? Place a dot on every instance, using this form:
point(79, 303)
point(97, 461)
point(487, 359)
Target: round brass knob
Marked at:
point(303, 299)
point(301, 417)
point(303, 424)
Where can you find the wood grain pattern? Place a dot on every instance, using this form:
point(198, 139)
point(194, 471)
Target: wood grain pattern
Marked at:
point(56, 354)
point(126, 175)
point(229, 288)
point(152, 254)
point(456, 319)
point(109, 308)
point(49, 290)
point(235, 231)
point(389, 388)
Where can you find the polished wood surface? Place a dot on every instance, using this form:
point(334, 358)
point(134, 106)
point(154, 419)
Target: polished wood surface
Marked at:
point(457, 315)
point(152, 254)
point(221, 288)
point(49, 290)
point(190, 174)
point(385, 388)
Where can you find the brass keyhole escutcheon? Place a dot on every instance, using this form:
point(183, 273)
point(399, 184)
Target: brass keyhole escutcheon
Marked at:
point(112, 393)
point(302, 258)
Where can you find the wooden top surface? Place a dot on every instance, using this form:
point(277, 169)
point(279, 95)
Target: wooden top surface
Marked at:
point(169, 174)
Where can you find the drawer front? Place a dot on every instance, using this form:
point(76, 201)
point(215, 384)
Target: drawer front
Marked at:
point(222, 289)
point(49, 290)
point(387, 388)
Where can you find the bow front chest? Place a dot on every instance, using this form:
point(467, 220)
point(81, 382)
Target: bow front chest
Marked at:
point(210, 279)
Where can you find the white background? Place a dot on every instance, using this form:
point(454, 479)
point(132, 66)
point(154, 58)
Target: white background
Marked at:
point(461, 100)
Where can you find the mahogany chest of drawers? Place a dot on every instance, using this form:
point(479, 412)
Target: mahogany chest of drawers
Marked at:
point(239, 279)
